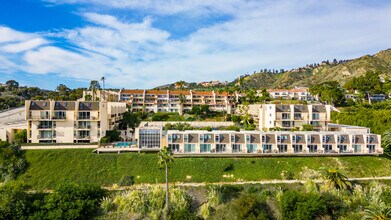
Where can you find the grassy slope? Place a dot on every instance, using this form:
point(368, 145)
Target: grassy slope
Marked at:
point(47, 168)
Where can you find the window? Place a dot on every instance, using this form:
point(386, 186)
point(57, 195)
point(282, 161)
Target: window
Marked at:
point(174, 147)
point(189, 148)
point(282, 148)
point(201, 138)
point(294, 138)
point(217, 138)
point(185, 138)
point(312, 148)
point(278, 138)
point(169, 138)
point(236, 148)
point(205, 148)
point(232, 138)
point(343, 148)
point(248, 138)
point(267, 148)
point(371, 148)
point(357, 148)
point(220, 148)
point(44, 104)
point(297, 148)
point(315, 116)
point(251, 148)
point(297, 116)
point(286, 116)
point(328, 148)
point(353, 139)
point(263, 138)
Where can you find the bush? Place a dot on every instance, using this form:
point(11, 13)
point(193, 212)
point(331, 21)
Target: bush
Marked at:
point(104, 140)
point(300, 206)
point(126, 181)
point(70, 201)
point(160, 116)
point(14, 201)
point(12, 161)
point(245, 207)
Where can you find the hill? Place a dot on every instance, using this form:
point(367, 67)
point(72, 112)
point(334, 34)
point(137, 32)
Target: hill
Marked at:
point(49, 168)
point(341, 71)
point(311, 74)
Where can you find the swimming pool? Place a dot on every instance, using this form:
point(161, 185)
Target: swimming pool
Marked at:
point(125, 144)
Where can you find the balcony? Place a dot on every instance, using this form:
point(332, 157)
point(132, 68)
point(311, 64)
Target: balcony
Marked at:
point(87, 118)
point(84, 137)
point(84, 127)
point(45, 126)
point(59, 118)
point(45, 137)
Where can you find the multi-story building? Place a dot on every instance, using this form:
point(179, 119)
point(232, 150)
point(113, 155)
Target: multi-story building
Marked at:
point(298, 93)
point(71, 121)
point(291, 116)
point(177, 101)
point(200, 142)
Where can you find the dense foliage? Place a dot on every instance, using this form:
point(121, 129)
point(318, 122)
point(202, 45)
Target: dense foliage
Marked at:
point(69, 201)
point(329, 92)
point(12, 161)
point(378, 120)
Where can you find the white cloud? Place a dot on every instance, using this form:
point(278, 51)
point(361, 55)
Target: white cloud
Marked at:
point(9, 35)
point(260, 34)
point(23, 46)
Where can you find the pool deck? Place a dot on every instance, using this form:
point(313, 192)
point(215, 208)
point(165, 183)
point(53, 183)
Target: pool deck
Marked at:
point(123, 149)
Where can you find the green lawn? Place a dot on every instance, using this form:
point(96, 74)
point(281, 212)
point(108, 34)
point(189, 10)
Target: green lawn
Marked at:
point(47, 168)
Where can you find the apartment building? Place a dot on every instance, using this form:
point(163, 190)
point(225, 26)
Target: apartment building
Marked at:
point(291, 116)
point(71, 121)
point(298, 93)
point(217, 142)
point(177, 101)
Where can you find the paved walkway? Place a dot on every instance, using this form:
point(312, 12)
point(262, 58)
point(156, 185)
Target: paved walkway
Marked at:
point(51, 147)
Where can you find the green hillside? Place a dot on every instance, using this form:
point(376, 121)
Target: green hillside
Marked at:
point(309, 75)
point(48, 168)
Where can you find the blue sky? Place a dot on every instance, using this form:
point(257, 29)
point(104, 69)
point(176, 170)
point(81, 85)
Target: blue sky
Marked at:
point(147, 43)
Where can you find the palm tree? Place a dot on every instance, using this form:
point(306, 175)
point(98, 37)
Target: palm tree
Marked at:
point(94, 85)
point(103, 79)
point(165, 157)
point(386, 142)
point(334, 178)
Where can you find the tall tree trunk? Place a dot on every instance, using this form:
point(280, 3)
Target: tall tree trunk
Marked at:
point(167, 199)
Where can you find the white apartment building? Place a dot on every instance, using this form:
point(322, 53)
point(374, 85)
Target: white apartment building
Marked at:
point(177, 101)
point(347, 140)
point(294, 115)
point(298, 93)
point(71, 121)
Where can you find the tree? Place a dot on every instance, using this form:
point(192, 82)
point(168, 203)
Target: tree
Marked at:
point(71, 201)
point(63, 91)
point(11, 85)
point(14, 201)
point(103, 79)
point(12, 161)
point(329, 92)
point(180, 84)
point(166, 157)
point(94, 86)
point(21, 136)
point(334, 178)
point(386, 142)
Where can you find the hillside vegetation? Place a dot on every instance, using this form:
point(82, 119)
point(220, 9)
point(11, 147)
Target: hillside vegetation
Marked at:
point(326, 71)
point(49, 168)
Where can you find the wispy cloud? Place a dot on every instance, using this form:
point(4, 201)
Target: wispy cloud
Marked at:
point(260, 34)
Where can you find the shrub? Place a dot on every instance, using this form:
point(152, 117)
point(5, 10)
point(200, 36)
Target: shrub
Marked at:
point(14, 201)
point(71, 201)
point(12, 161)
point(300, 206)
point(126, 181)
